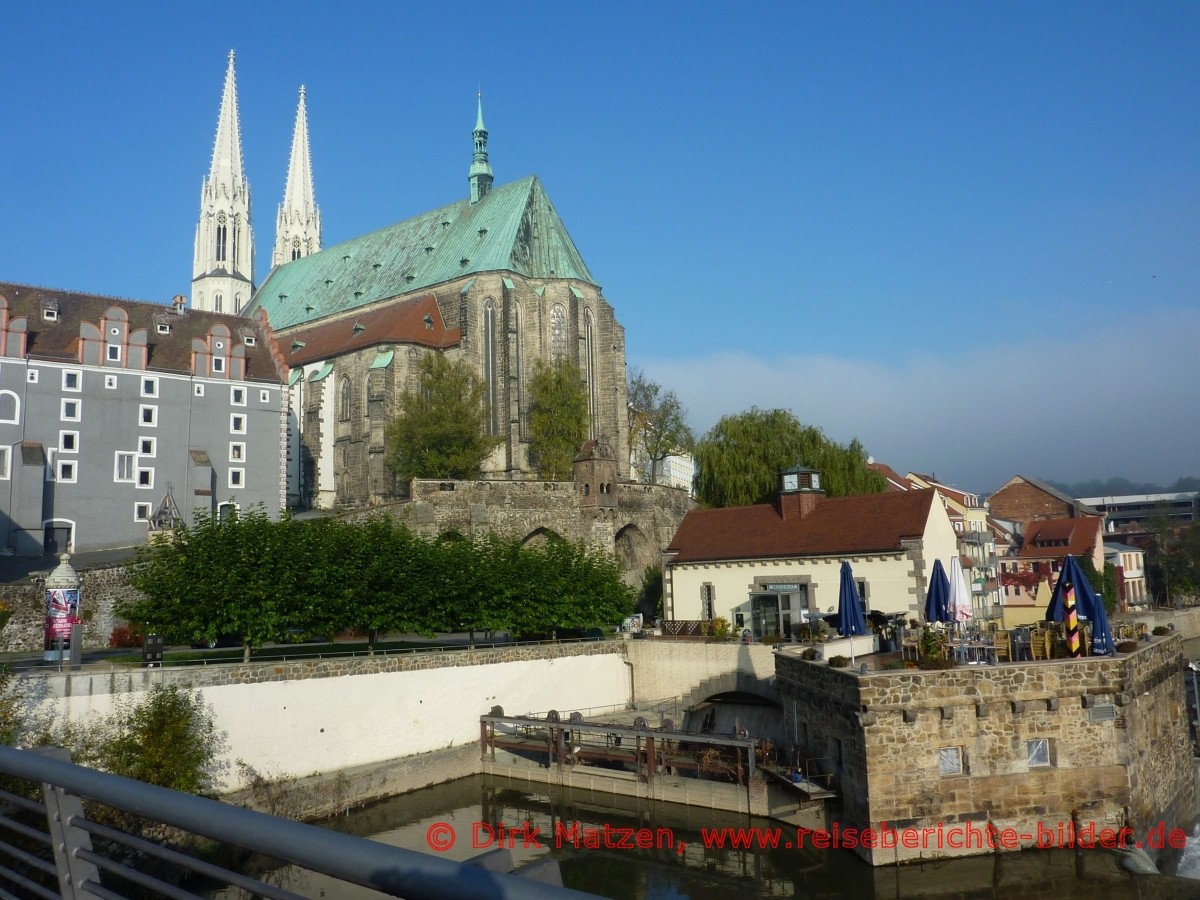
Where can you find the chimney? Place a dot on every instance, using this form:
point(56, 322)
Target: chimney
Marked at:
point(179, 302)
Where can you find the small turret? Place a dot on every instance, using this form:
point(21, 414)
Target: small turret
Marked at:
point(480, 175)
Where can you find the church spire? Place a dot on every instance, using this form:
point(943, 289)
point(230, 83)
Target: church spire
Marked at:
point(480, 176)
point(298, 231)
point(223, 264)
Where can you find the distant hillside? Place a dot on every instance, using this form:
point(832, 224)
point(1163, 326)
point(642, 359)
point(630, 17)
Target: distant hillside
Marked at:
point(1117, 487)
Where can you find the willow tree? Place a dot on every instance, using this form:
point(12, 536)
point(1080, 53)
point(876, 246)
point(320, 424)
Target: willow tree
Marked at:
point(441, 430)
point(739, 460)
point(558, 418)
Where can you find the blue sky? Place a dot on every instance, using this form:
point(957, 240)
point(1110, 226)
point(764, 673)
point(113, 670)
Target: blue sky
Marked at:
point(966, 233)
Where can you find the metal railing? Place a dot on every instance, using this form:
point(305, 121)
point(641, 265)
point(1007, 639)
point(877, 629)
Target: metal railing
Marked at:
point(62, 861)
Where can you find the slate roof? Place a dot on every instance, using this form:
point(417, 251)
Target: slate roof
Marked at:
point(398, 323)
point(514, 228)
point(869, 523)
point(1055, 538)
point(59, 340)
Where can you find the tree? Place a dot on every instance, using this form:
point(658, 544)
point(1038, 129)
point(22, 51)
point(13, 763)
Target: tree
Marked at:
point(656, 424)
point(558, 418)
point(441, 430)
point(739, 460)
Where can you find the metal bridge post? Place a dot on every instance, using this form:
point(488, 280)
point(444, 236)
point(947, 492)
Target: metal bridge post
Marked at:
point(66, 838)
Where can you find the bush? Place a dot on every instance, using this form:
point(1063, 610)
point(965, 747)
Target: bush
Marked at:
point(1160, 631)
point(720, 628)
point(896, 664)
point(126, 636)
point(809, 653)
point(934, 664)
point(839, 662)
point(1127, 647)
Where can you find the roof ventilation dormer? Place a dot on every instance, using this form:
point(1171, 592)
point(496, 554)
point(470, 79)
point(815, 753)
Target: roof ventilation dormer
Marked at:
point(50, 309)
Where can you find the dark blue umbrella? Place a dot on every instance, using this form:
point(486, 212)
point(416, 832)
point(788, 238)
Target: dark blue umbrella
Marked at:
point(850, 619)
point(1074, 597)
point(937, 600)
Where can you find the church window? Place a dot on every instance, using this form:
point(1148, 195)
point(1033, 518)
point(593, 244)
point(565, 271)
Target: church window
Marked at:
point(296, 248)
point(237, 304)
point(491, 382)
point(558, 331)
point(218, 305)
point(344, 399)
point(589, 362)
point(222, 236)
point(518, 369)
point(237, 232)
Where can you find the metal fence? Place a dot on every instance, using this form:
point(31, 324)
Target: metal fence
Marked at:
point(77, 857)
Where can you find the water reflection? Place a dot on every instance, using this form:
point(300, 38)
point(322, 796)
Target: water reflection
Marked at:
point(550, 822)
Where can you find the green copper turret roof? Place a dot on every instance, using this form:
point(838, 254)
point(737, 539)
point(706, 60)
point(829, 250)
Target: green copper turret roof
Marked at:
point(513, 228)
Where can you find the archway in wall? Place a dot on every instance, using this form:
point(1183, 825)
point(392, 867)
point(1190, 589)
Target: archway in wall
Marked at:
point(730, 712)
point(634, 553)
point(540, 536)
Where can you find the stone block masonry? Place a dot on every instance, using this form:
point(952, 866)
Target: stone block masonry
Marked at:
point(1098, 741)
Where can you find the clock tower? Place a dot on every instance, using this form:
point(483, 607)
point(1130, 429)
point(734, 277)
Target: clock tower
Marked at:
point(799, 492)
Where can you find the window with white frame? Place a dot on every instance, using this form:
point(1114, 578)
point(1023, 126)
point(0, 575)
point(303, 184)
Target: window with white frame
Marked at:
point(149, 387)
point(147, 446)
point(237, 396)
point(237, 452)
point(237, 423)
point(125, 466)
point(148, 416)
point(110, 382)
point(68, 441)
point(218, 364)
point(1038, 753)
point(5, 463)
point(10, 407)
point(950, 761)
point(237, 478)
point(145, 477)
point(72, 380)
point(141, 512)
point(113, 353)
point(226, 511)
point(163, 328)
point(70, 410)
point(68, 469)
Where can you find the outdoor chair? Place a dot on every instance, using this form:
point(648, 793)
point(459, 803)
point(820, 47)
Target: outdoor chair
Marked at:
point(1039, 643)
point(1003, 642)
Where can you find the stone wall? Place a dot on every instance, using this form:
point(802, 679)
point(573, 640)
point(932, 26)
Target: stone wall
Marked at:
point(101, 587)
point(1116, 730)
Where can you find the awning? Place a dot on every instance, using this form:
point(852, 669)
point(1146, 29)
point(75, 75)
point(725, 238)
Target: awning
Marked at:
point(383, 359)
point(322, 372)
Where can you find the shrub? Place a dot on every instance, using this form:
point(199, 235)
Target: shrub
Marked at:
point(896, 664)
point(839, 662)
point(720, 628)
point(933, 664)
point(809, 653)
point(126, 636)
point(1160, 631)
point(1127, 647)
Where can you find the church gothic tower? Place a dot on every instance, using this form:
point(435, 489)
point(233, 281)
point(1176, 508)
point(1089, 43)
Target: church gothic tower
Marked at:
point(298, 231)
point(480, 175)
point(223, 264)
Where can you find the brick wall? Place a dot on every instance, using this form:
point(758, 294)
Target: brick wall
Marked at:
point(1023, 502)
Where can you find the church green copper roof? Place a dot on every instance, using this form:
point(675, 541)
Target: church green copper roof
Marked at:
point(514, 228)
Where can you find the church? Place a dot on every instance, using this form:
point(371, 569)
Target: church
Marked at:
point(492, 277)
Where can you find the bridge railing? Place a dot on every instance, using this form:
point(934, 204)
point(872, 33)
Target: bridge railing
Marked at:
point(77, 857)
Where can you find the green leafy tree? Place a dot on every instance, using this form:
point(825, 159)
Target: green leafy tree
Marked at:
point(441, 429)
point(657, 426)
point(738, 462)
point(558, 418)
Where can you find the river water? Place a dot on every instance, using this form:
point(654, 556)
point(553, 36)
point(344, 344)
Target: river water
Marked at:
point(677, 865)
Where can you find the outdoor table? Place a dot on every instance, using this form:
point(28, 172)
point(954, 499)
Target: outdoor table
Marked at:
point(975, 651)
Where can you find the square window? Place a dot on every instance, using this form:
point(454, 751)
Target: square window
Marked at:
point(237, 424)
point(148, 415)
point(218, 364)
point(124, 467)
point(141, 512)
point(237, 396)
point(199, 390)
point(237, 452)
point(66, 470)
point(264, 396)
point(145, 478)
point(163, 328)
point(32, 376)
point(71, 379)
point(149, 387)
point(5, 463)
point(950, 761)
point(110, 382)
point(1038, 752)
point(50, 315)
point(113, 353)
point(68, 441)
point(147, 446)
point(237, 478)
point(70, 411)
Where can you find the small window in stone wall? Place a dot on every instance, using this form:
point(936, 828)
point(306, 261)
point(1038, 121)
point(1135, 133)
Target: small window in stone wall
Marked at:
point(1038, 751)
point(950, 761)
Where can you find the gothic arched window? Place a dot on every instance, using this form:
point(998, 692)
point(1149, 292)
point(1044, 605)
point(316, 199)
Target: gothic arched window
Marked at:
point(491, 375)
point(218, 303)
point(344, 399)
point(589, 364)
point(295, 248)
point(558, 331)
point(222, 237)
point(517, 368)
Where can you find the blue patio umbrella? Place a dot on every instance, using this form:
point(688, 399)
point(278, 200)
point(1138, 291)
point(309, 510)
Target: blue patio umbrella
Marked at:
point(1074, 596)
point(850, 619)
point(937, 600)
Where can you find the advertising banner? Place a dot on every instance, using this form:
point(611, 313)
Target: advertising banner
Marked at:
point(62, 611)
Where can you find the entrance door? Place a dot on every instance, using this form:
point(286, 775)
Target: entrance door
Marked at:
point(764, 615)
point(57, 539)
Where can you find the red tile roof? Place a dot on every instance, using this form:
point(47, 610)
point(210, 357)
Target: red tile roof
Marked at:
point(896, 481)
point(870, 523)
point(1055, 538)
point(399, 322)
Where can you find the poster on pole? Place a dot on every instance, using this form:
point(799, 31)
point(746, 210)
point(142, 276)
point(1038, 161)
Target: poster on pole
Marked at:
point(62, 611)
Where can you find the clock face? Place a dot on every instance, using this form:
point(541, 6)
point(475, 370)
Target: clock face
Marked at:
point(791, 482)
point(816, 481)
